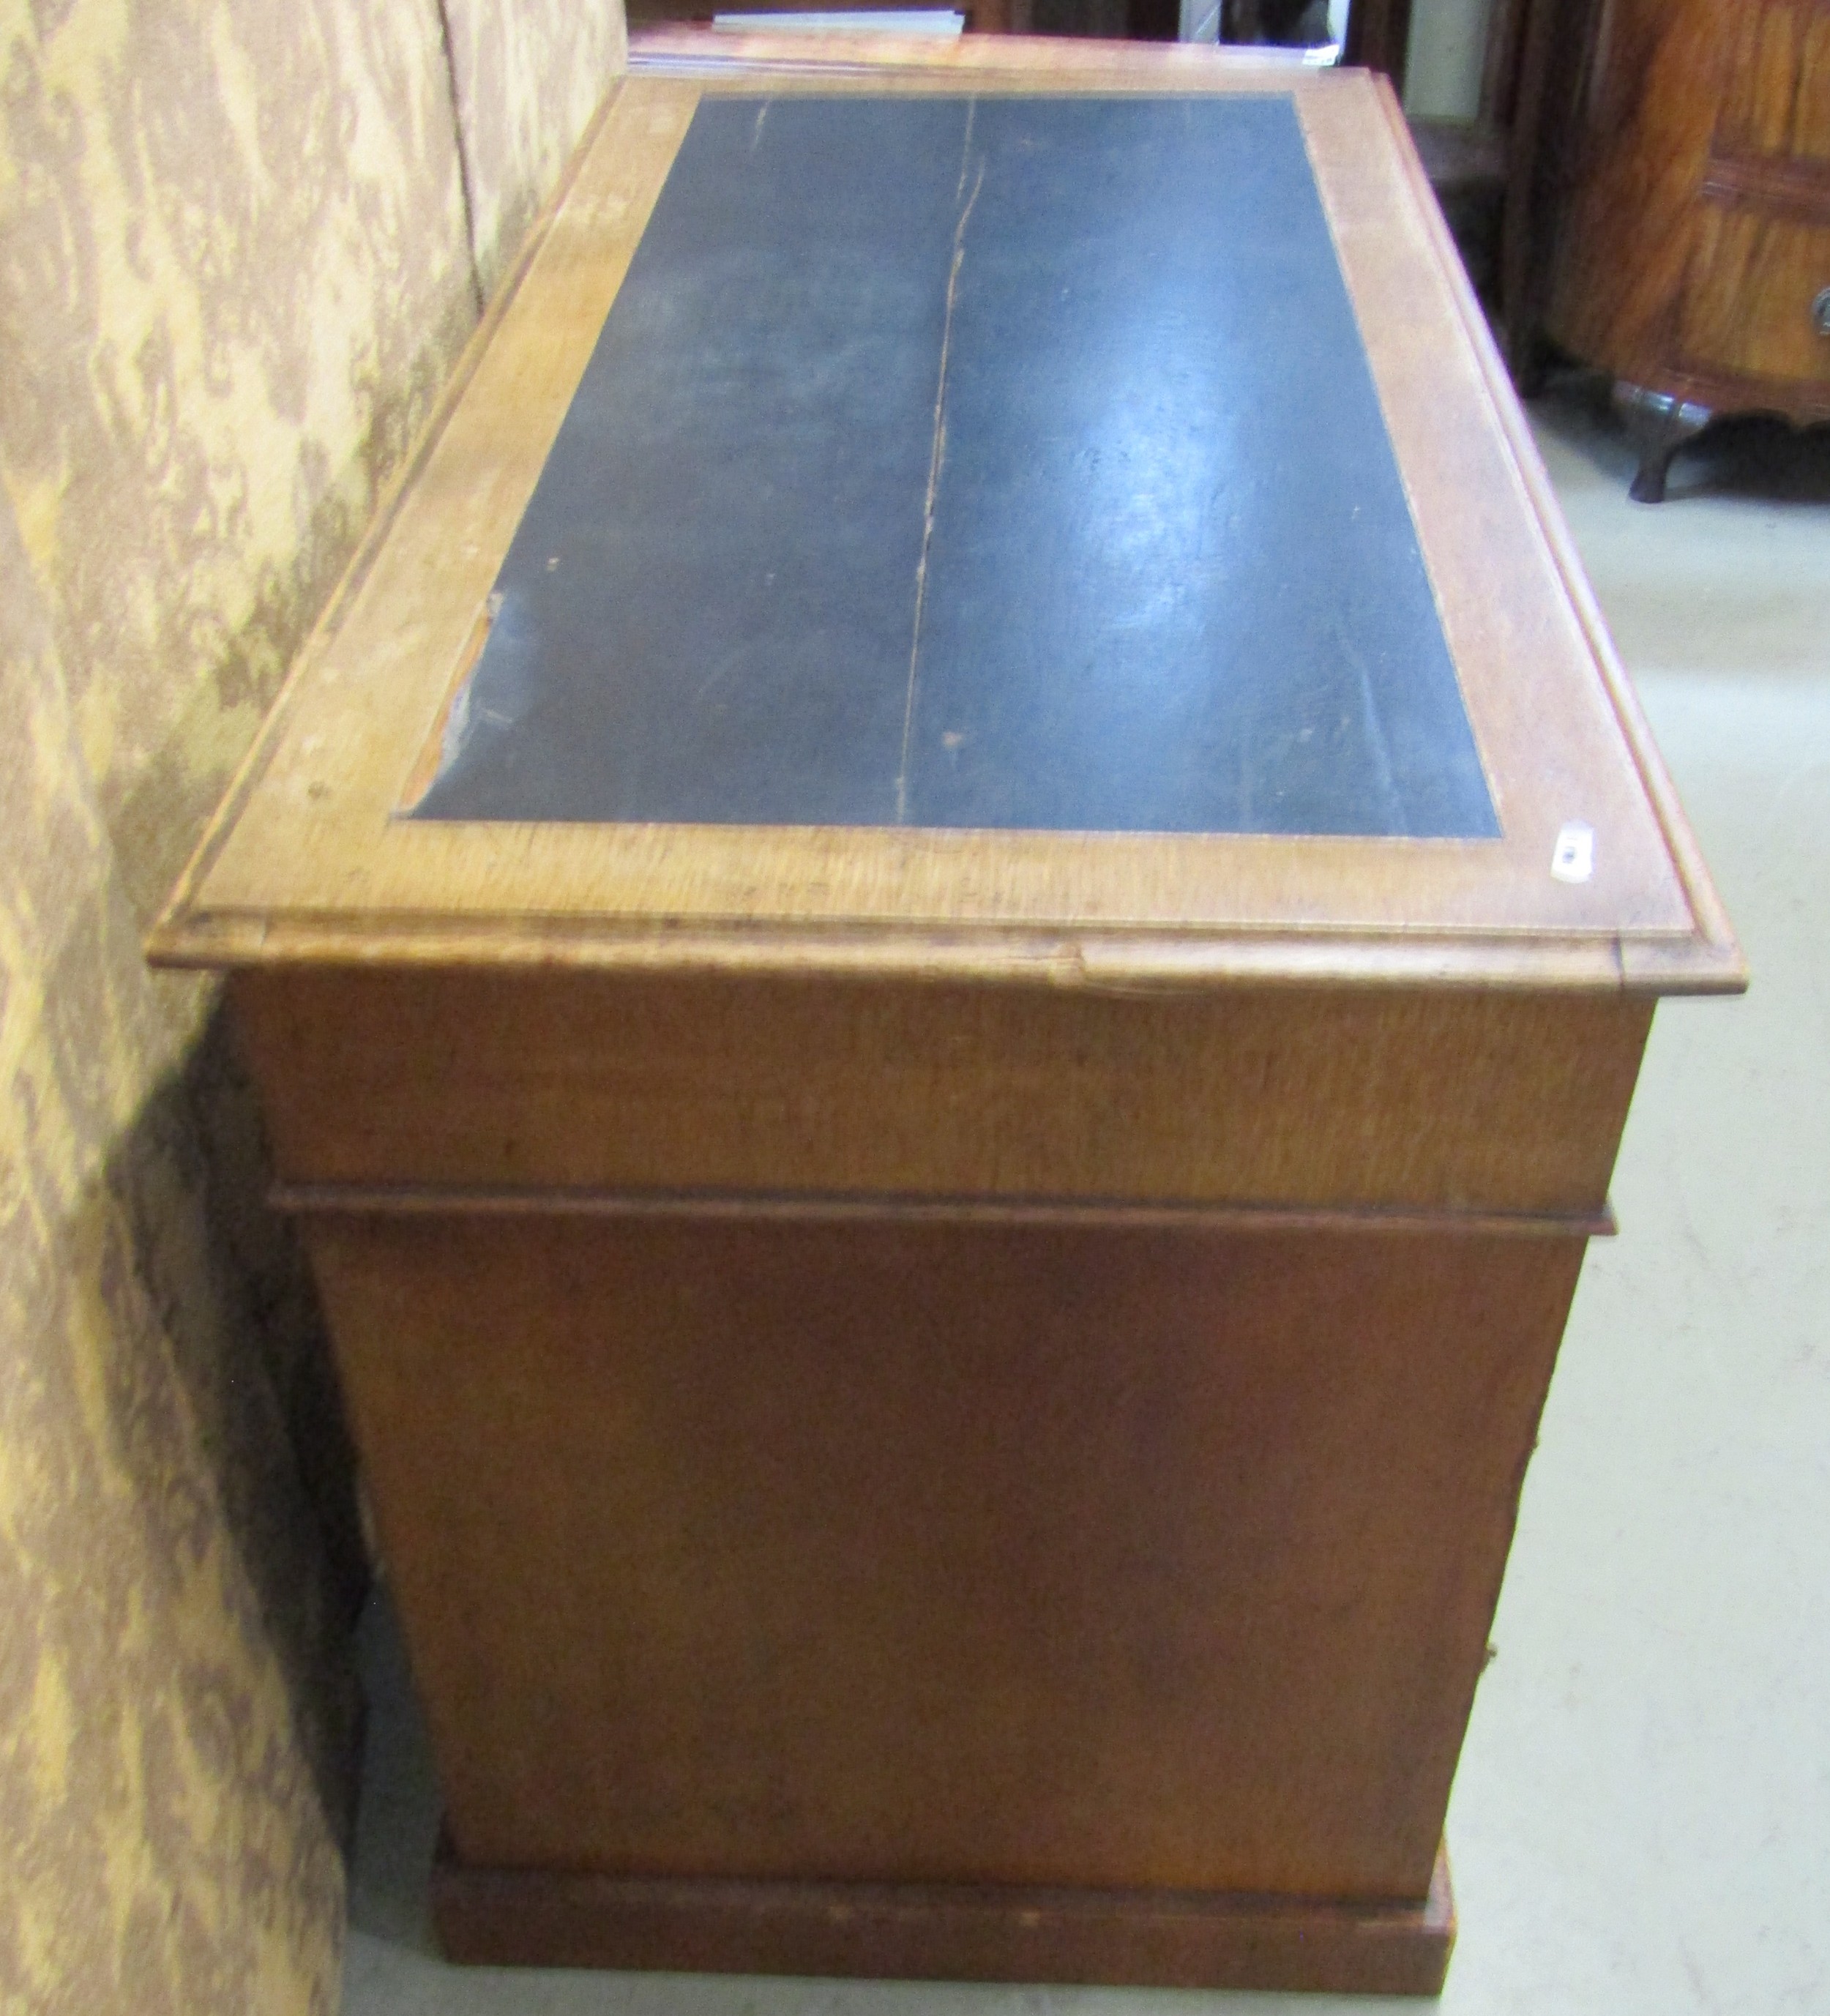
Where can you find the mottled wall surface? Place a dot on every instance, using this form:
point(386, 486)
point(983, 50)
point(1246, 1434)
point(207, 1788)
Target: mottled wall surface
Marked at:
point(528, 77)
point(235, 265)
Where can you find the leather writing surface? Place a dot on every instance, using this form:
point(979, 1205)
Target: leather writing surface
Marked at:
point(1005, 462)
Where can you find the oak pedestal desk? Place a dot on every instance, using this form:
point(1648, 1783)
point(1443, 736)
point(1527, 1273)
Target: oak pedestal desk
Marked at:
point(945, 947)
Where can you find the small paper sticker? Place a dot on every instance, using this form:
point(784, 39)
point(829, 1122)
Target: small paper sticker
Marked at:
point(1574, 859)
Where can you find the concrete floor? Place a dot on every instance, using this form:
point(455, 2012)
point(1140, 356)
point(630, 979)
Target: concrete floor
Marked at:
point(1641, 1821)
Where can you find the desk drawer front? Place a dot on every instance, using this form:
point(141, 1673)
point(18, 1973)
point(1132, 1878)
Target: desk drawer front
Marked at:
point(1757, 299)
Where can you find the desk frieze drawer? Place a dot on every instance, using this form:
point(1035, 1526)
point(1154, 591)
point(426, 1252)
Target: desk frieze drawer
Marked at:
point(1284, 1096)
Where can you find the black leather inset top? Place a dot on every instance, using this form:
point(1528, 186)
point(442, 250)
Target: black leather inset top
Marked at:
point(1007, 461)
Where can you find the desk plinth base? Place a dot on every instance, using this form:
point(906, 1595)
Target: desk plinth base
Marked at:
point(944, 1932)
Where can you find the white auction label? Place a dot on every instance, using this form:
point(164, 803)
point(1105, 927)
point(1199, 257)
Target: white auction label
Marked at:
point(1573, 859)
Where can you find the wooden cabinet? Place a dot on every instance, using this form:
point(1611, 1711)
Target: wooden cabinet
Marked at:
point(1692, 261)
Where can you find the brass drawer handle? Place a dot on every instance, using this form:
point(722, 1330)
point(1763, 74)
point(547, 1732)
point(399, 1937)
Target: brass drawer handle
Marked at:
point(1821, 313)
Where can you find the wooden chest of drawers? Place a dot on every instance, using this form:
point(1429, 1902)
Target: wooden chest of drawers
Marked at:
point(1692, 259)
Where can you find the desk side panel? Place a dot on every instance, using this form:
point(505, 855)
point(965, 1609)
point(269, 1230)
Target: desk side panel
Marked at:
point(903, 1552)
point(1284, 1096)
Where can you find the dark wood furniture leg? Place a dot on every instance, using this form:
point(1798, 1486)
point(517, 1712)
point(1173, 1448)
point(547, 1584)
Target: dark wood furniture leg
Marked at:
point(1659, 424)
point(1379, 37)
point(1521, 245)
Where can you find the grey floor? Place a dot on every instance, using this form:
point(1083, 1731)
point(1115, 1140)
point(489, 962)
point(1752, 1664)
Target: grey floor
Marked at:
point(1641, 1821)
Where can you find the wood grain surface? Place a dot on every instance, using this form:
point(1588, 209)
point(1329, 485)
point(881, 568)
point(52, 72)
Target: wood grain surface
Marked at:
point(1775, 99)
point(882, 1551)
point(1696, 233)
point(945, 1932)
point(1457, 1101)
point(308, 862)
point(1754, 280)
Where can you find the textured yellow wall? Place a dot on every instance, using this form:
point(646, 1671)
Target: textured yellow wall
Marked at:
point(528, 77)
point(241, 242)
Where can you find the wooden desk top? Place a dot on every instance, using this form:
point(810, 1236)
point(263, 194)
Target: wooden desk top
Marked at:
point(1020, 513)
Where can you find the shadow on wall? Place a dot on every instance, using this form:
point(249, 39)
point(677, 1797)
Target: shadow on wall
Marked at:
point(226, 1280)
